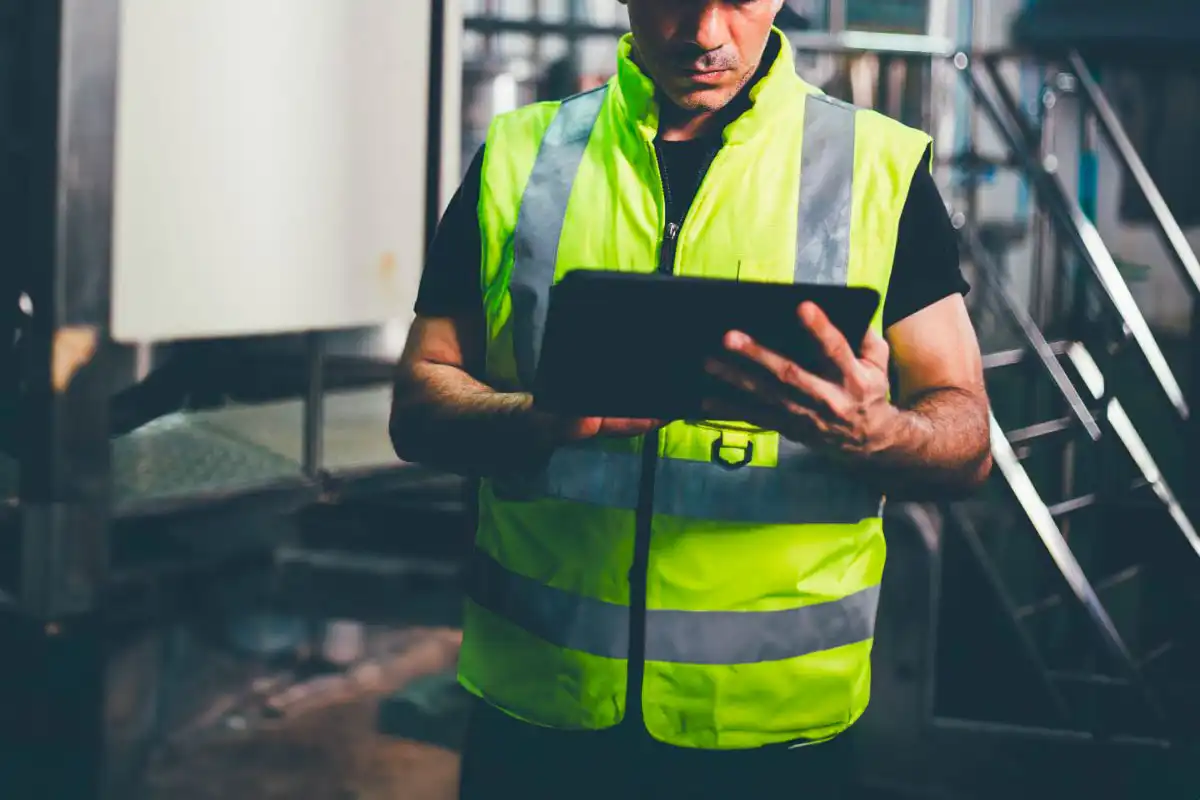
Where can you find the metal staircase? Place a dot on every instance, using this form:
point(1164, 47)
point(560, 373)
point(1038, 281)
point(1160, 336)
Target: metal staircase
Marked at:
point(1080, 547)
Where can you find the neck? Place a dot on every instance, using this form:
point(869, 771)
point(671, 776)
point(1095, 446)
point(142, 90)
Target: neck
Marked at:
point(678, 124)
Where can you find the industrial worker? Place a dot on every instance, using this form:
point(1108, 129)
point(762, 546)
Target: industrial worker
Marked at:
point(645, 617)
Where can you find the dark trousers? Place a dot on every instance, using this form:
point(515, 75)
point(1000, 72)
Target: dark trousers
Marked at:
point(504, 758)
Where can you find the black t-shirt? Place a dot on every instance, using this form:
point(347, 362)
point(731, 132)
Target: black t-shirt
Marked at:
point(925, 269)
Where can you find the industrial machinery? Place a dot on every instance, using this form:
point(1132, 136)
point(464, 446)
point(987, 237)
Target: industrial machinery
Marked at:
point(210, 259)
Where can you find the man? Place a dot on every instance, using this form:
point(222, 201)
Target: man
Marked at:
point(646, 616)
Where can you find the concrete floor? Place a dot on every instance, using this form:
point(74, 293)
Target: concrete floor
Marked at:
point(328, 754)
point(321, 743)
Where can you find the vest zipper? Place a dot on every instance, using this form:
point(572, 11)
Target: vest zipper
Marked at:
point(666, 263)
point(644, 513)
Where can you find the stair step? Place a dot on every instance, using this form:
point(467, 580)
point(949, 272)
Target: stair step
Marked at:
point(1117, 578)
point(1106, 584)
point(1131, 498)
point(1067, 507)
point(1157, 654)
point(1107, 705)
point(1063, 634)
point(1038, 606)
point(1110, 703)
point(1171, 669)
point(1093, 679)
point(1019, 355)
point(1040, 430)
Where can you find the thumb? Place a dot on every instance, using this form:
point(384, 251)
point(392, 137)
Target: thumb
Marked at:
point(875, 349)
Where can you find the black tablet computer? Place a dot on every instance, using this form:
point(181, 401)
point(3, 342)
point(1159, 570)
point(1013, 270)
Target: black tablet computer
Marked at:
point(634, 345)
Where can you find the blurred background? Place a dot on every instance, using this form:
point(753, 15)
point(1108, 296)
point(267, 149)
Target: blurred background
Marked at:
point(216, 581)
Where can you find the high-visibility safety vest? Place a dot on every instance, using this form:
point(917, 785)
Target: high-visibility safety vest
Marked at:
point(742, 599)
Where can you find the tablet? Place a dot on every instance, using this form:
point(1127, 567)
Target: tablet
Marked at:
point(634, 345)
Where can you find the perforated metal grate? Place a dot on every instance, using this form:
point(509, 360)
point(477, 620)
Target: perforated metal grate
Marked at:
point(177, 456)
point(236, 449)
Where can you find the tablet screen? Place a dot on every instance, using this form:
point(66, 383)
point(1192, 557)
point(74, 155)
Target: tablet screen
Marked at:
point(634, 345)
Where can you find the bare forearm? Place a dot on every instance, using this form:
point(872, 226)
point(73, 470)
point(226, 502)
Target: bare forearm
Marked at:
point(936, 447)
point(444, 418)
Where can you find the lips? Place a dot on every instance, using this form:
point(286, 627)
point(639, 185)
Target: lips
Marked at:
point(703, 76)
point(697, 68)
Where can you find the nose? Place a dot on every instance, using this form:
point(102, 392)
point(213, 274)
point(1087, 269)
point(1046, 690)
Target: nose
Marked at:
point(712, 30)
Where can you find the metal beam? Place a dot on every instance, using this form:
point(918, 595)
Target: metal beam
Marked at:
point(1025, 325)
point(1173, 238)
point(64, 492)
point(1081, 234)
point(313, 444)
point(55, 709)
point(845, 42)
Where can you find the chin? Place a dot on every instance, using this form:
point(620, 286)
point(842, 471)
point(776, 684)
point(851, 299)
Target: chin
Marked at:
point(703, 100)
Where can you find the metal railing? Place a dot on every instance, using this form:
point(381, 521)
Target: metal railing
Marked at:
point(1179, 250)
point(1074, 232)
point(1070, 220)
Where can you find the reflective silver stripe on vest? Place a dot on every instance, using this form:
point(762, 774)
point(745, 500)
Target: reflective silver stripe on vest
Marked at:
point(540, 221)
point(681, 637)
point(803, 489)
point(823, 211)
point(826, 185)
point(750, 637)
point(557, 616)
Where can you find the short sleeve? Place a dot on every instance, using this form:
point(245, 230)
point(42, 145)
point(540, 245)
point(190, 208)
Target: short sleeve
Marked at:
point(450, 282)
point(926, 267)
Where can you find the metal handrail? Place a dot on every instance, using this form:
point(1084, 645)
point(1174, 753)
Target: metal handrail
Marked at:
point(1030, 331)
point(965, 527)
point(1056, 545)
point(1121, 425)
point(1176, 243)
point(1080, 230)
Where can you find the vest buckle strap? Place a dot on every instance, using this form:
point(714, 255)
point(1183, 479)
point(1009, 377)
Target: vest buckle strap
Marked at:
point(733, 454)
point(801, 489)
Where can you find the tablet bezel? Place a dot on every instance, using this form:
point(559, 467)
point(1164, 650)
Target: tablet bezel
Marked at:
point(583, 314)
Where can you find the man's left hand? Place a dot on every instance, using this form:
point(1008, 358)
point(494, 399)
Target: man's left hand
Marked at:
point(846, 411)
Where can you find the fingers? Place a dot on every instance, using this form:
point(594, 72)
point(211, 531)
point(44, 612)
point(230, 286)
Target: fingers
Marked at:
point(875, 350)
point(628, 427)
point(585, 428)
point(833, 344)
point(784, 371)
point(764, 389)
point(591, 427)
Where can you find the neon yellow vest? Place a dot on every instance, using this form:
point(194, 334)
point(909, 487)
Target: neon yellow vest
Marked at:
point(760, 581)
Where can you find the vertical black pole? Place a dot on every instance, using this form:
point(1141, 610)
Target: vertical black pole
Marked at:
point(54, 704)
point(314, 405)
point(434, 133)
